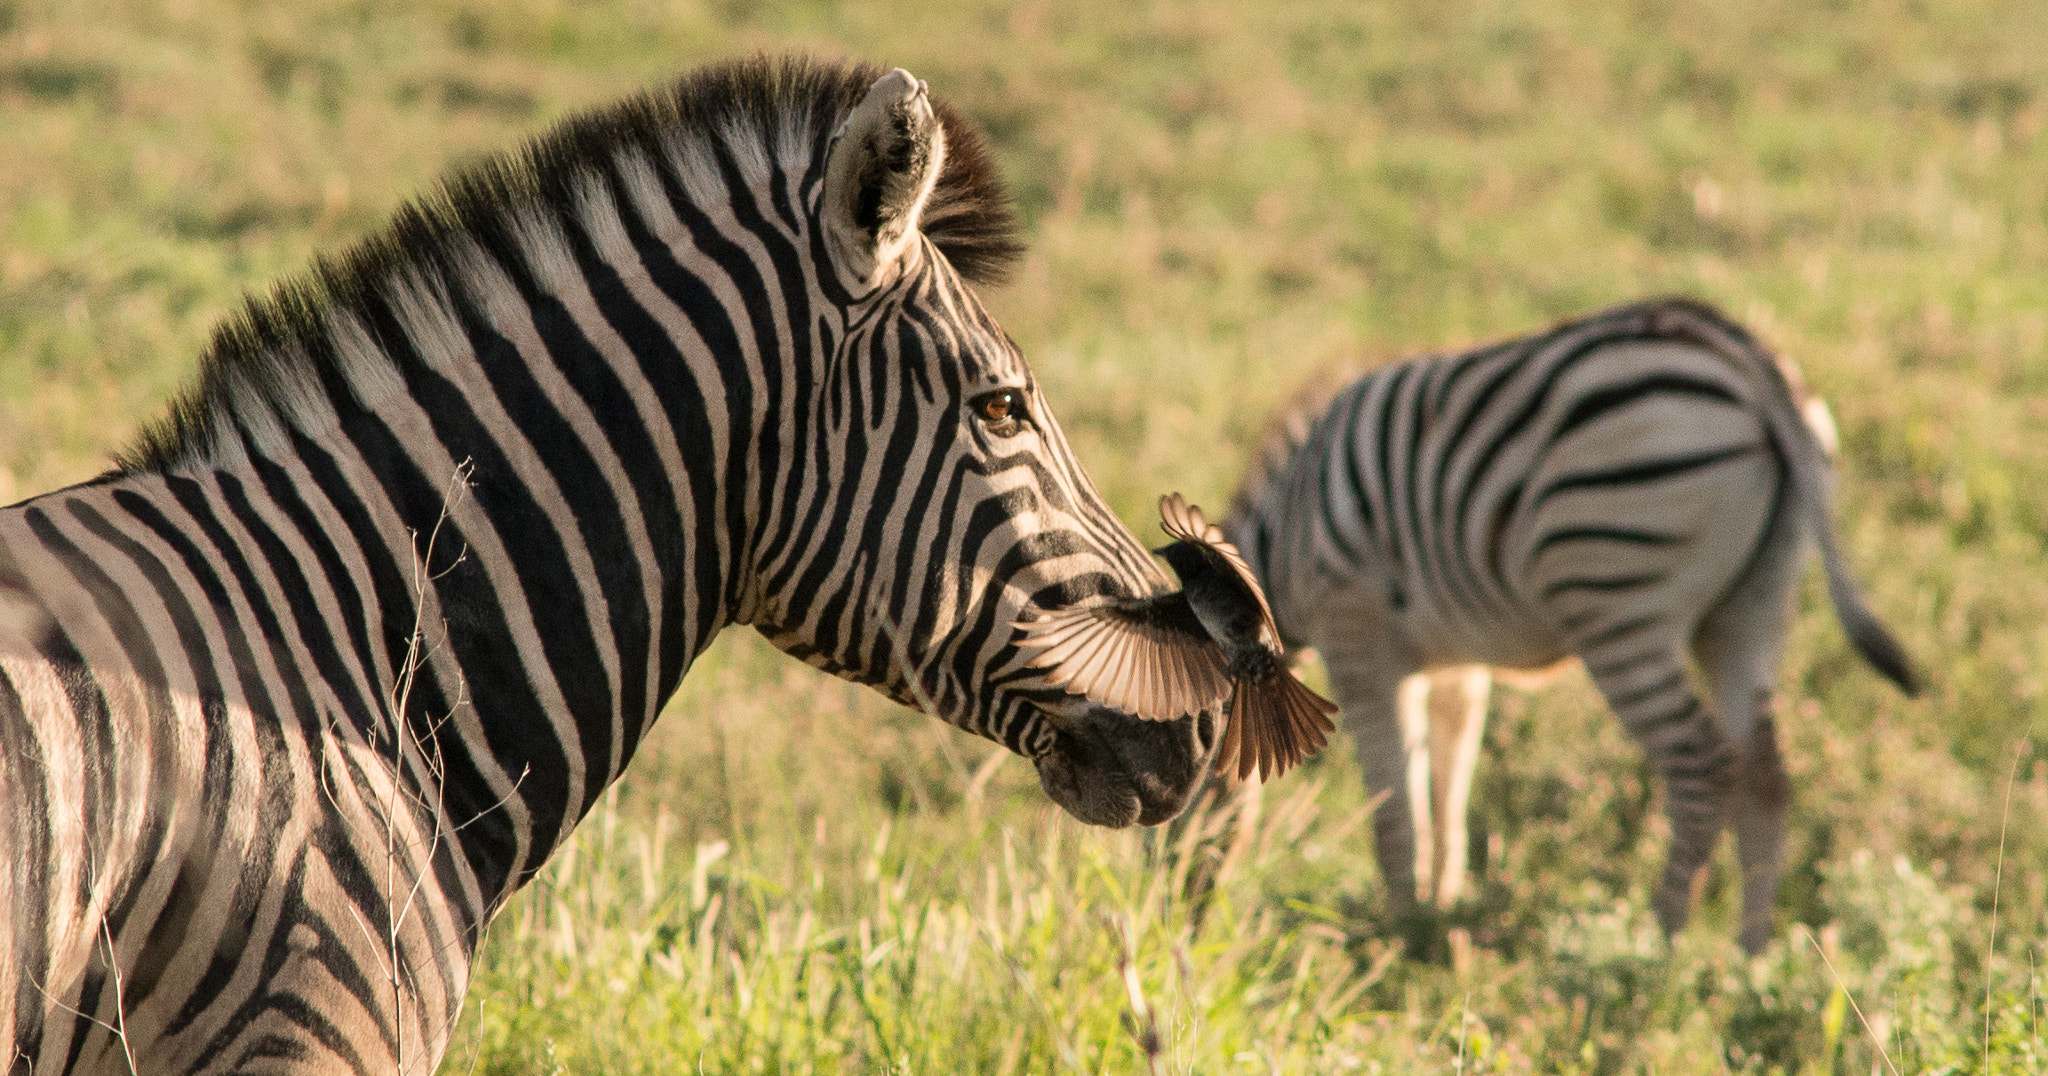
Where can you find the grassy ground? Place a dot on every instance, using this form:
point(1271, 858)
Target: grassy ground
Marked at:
point(1222, 197)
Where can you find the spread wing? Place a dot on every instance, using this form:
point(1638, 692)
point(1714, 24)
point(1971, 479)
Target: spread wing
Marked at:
point(1184, 522)
point(1148, 657)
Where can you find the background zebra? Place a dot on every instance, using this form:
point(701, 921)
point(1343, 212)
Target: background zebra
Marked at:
point(296, 697)
point(1630, 488)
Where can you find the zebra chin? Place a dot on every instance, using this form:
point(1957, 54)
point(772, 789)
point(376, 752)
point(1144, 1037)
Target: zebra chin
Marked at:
point(1113, 769)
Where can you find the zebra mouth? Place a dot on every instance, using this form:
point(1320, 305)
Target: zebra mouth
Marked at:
point(1109, 768)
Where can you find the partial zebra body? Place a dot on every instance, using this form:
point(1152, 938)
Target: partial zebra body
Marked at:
point(1635, 489)
point(183, 685)
point(293, 701)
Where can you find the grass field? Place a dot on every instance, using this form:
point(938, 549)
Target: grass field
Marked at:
point(1222, 197)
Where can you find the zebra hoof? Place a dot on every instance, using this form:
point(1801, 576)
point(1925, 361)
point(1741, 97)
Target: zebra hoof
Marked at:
point(1673, 902)
point(1755, 937)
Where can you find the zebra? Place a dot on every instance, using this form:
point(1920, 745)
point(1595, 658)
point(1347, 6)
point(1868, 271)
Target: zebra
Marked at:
point(1630, 489)
point(296, 695)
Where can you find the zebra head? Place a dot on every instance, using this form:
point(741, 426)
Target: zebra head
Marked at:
point(944, 504)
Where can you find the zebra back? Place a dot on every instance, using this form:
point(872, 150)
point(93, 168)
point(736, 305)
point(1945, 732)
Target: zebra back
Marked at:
point(1326, 463)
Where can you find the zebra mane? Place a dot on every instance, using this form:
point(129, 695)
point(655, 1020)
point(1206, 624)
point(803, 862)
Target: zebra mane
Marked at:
point(275, 358)
point(1287, 429)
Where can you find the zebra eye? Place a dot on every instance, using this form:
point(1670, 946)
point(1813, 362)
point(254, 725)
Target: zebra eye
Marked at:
point(999, 408)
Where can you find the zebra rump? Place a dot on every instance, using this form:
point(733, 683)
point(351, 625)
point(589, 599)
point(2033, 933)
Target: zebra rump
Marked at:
point(1637, 489)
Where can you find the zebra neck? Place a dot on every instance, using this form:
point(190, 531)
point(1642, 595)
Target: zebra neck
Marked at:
point(562, 511)
point(558, 450)
point(472, 578)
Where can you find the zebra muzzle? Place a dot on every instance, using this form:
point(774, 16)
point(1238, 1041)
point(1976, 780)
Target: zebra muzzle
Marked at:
point(1109, 768)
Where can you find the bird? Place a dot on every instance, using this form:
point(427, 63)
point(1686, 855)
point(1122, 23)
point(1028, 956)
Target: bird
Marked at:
point(1172, 655)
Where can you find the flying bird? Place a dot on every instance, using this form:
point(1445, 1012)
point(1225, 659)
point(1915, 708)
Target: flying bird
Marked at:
point(1172, 655)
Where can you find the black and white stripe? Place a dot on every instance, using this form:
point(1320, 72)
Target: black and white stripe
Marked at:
point(292, 701)
point(1633, 489)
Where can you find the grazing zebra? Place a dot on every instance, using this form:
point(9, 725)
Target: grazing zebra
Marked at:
point(296, 697)
point(1628, 489)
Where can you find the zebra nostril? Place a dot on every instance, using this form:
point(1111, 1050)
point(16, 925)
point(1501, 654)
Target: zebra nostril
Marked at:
point(1205, 731)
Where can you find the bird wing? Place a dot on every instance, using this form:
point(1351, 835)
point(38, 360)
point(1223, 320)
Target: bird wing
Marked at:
point(1184, 522)
point(1148, 657)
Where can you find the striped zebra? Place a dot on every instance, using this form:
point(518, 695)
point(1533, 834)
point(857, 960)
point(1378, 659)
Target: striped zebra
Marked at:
point(297, 696)
point(1633, 489)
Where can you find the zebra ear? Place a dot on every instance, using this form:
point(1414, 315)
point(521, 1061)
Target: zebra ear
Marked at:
point(879, 171)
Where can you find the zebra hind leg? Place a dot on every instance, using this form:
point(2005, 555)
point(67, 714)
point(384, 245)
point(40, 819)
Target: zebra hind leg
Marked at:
point(1650, 693)
point(1740, 645)
point(1763, 795)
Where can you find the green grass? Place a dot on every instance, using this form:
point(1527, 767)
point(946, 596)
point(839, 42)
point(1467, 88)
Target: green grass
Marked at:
point(1222, 198)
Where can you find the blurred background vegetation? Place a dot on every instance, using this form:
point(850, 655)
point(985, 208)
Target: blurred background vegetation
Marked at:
point(1222, 198)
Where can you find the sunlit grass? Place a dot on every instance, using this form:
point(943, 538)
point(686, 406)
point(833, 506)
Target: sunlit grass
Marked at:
point(1223, 196)
point(986, 937)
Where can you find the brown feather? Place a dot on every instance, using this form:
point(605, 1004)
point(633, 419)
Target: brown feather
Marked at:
point(1285, 724)
point(1116, 657)
point(1233, 740)
point(1251, 698)
point(1148, 673)
point(1150, 657)
point(1275, 721)
point(1117, 670)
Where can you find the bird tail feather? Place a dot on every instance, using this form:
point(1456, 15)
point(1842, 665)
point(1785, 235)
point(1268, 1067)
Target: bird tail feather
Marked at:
point(1275, 723)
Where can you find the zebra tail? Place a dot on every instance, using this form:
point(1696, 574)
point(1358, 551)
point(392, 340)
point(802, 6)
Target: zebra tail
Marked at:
point(1804, 431)
point(1866, 633)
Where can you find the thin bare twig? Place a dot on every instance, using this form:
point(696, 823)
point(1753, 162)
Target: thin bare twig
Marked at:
point(419, 751)
point(120, 998)
point(524, 772)
point(119, 1029)
point(72, 1010)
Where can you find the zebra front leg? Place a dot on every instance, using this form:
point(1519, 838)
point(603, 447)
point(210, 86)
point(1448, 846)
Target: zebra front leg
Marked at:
point(1389, 730)
point(1457, 724)
point(1649, 692)
point(1411, 708)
